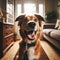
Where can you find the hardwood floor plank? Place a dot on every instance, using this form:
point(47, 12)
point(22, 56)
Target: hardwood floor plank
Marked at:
point(51, 53)
point(12, 52)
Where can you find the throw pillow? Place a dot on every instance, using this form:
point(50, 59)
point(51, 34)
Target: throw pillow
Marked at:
point(57, 26)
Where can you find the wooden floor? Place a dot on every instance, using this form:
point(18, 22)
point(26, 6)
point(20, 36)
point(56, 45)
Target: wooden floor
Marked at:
point(43, 55)
point(10, 55)
point(12, 52)
point(52, 53)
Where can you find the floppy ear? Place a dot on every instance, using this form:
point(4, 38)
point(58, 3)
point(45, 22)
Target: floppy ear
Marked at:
point(20, 19)
point(40, 18)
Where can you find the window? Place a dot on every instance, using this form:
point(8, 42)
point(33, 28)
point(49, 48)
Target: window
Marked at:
point(10, 11)
point(18, 9)
point(41, 11)
point(29, 8)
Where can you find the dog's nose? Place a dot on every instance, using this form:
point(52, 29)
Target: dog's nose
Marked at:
point(31, 24)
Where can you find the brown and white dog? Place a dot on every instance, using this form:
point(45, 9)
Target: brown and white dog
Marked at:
point(30, 33)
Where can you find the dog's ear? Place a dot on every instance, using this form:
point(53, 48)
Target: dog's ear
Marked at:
point(20, 19)
point(40, 18)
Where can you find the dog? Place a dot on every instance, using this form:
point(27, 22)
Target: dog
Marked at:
point(30, 33)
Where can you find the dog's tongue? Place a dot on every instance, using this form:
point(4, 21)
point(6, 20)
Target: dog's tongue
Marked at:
point(31, 36)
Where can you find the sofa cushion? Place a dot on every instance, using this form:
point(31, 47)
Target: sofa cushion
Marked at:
point(57, 24)
point(59, 28)
point(47, 31)
point(55, 34)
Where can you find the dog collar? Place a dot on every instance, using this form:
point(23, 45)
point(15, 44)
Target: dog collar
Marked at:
point(27, 45)
point(31, 44)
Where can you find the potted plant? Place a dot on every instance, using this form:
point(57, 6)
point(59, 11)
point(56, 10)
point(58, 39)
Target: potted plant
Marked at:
point(51, 16)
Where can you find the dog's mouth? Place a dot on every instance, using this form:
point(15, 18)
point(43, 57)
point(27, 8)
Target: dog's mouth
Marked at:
point(31, 30)
point(31, 35)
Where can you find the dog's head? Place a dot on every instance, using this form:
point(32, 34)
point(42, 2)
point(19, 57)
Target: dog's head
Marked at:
point(29, 25)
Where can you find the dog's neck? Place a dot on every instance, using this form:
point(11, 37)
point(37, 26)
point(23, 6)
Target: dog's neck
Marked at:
point(30, 41)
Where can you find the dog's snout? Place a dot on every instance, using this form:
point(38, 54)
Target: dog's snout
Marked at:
point(31, 24)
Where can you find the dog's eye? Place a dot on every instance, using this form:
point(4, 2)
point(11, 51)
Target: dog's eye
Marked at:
point(35, 20)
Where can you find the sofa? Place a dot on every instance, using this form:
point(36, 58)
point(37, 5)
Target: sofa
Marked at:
point(52, 35)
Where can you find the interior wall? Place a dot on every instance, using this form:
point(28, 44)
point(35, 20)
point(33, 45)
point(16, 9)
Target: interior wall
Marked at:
point(3, 4)
point(55, 5)
point(29, 1)
point(50, 5)
point(0, 4)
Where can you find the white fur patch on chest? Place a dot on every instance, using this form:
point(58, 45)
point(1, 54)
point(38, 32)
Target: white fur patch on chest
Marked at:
point(31, 55)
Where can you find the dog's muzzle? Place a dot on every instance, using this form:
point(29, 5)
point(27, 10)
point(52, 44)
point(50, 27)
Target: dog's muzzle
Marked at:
point(30, 28)
point(30, 31)
point(31, 25)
